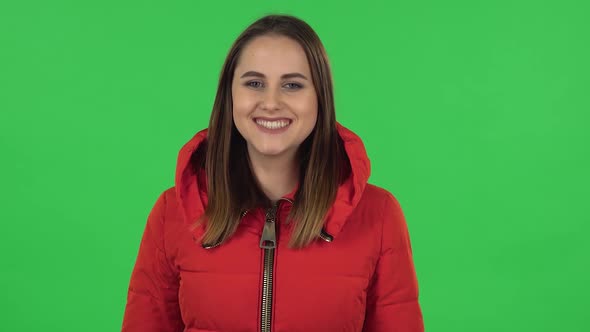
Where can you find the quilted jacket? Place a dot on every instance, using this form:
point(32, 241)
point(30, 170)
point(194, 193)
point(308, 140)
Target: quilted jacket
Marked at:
point(359, 276)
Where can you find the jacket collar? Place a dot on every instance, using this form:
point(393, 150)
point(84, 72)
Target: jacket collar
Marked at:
point(191, 192)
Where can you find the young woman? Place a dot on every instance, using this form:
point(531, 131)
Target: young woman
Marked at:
point(271, 224)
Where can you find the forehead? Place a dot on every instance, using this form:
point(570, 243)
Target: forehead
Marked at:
point(273, 55)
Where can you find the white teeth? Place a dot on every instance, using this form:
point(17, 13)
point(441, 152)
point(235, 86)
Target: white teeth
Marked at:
point(272, 124)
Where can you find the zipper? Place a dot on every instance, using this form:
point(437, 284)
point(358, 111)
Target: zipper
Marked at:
point(268, 242)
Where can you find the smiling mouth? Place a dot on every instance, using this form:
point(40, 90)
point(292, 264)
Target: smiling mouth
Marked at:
point(273, 124)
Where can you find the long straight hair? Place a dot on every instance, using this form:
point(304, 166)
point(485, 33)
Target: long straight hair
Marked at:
point(323, 163)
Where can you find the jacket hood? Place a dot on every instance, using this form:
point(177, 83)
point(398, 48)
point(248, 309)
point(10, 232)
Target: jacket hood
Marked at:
point(191, 192)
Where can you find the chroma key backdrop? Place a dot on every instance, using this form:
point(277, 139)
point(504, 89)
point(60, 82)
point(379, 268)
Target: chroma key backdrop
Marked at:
point(475, 115)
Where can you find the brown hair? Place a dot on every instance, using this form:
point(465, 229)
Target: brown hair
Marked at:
point(323, 163)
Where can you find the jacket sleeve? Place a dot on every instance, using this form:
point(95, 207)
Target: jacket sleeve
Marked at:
point(392, 296)
point(152, 297)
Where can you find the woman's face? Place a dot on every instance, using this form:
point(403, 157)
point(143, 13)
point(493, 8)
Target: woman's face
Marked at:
point(274, 100)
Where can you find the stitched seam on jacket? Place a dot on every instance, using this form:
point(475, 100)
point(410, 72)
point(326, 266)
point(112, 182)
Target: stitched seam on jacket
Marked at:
point(373, 275)
point(402, 245)
point(388, 251)
point(382, 225)
point(171, 269)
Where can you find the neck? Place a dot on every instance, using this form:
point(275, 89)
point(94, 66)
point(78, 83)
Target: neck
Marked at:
point(276, 175)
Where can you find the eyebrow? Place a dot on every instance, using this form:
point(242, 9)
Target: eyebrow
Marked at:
point(252, 73)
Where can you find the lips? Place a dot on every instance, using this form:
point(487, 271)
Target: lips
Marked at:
point(272, 125)
point(271, 119)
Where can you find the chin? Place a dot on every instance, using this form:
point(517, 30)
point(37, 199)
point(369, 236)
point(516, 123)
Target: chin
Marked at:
point(270, 152)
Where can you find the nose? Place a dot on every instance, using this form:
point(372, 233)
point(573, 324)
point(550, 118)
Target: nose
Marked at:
point(271, 99)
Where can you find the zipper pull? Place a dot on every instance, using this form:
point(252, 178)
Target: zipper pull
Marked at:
point(268, 240)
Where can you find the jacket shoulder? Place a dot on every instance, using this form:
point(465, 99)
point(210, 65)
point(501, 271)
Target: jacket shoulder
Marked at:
point(166, 209)
point(378, 194)
point(170, 195)
point(393, 222)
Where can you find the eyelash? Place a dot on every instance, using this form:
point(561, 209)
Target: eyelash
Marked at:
point(296, 85)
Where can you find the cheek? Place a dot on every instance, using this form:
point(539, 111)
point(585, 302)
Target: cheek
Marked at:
point(241, 102)
point(309, 107)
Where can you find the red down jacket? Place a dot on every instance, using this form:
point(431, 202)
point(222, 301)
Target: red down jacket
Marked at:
point(361, 280)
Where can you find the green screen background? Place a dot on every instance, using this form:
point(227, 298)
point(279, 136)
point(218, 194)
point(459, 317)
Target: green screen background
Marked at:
point(474, 115)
